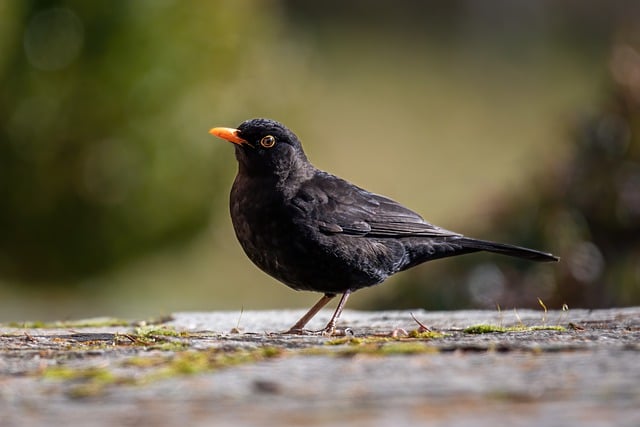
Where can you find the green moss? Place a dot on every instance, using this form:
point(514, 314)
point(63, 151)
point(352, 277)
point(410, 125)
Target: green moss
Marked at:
point(344, 340)
point(94, 381)
point(145, 362)
point(96, 322)
point(87, 382)
point(188, 362)
point(81, 323)
point(548, 328)
point(484, 329)
point(412, 336)
point(426, 335)
point(169, 346)
point(488, 329)
point(164, 338)
point(193, 362)
point(269, 352)
point(60, 373)
point(154, 331)
point(66, 373)
point(27, 325)
point(381, 345)
point(386, 348)
point(415, 347)
point(87, 390)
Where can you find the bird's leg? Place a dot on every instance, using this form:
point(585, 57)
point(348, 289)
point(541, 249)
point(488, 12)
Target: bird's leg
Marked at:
point(331, 326)
point(298, 328)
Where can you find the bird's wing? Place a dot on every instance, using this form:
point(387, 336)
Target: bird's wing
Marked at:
point(340, 207)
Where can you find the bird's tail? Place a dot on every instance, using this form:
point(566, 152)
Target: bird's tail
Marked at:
point(510, 250)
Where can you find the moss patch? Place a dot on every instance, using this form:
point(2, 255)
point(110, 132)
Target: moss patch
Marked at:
point(96, 322)
point(84, 382)
point(157, 338)
point(141, 369)
point(488, 329)
point(66, 373)
point(412, 343)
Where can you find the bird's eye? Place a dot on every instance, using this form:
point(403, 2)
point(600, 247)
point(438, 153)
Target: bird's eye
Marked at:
point(268, 141)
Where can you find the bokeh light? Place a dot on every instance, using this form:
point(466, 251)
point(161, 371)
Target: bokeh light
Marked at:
point(53, 39)
point(504, 121)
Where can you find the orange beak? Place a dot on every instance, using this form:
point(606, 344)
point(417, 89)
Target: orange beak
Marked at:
point(228, 134)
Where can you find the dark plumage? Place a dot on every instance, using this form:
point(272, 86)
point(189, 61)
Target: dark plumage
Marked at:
point(314, 231)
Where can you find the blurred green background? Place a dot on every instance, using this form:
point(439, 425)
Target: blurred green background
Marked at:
point(506, 120)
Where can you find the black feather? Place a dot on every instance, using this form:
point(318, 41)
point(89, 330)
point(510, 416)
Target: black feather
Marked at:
point(510, 250)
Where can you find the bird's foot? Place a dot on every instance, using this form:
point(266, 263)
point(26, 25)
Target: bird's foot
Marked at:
point(328, 330)
point(346, 332)
point(331, 331)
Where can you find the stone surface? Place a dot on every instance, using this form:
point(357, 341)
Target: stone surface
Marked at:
point(228, 368)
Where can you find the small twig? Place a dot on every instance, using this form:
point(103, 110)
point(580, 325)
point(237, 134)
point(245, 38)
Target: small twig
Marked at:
point(129, 337)
point(544, 316)
point(515, 311)
point(236, 330)
point(575, 327)
point(565, 310)
point(422, 326)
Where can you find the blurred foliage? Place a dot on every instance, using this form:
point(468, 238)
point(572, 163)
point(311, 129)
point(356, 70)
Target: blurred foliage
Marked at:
point(584, 208)
point(105, 158)
point(98, 158)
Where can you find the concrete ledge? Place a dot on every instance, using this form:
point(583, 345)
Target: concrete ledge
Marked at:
point(524, 368)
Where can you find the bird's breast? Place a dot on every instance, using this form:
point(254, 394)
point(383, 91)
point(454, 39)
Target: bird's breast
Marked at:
point(284, 240)
point(263, 224)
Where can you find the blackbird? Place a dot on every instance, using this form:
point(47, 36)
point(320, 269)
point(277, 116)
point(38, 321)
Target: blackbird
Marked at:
point(316, 232)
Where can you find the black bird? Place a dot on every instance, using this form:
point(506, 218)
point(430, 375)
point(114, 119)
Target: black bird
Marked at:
point(316, 232)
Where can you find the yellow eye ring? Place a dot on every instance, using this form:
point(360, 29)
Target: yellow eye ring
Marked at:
point(268, 141)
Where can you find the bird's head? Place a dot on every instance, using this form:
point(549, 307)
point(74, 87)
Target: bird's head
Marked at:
point(264, 147)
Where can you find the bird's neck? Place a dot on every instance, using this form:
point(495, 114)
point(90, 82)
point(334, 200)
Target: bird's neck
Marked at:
point(286, 180)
